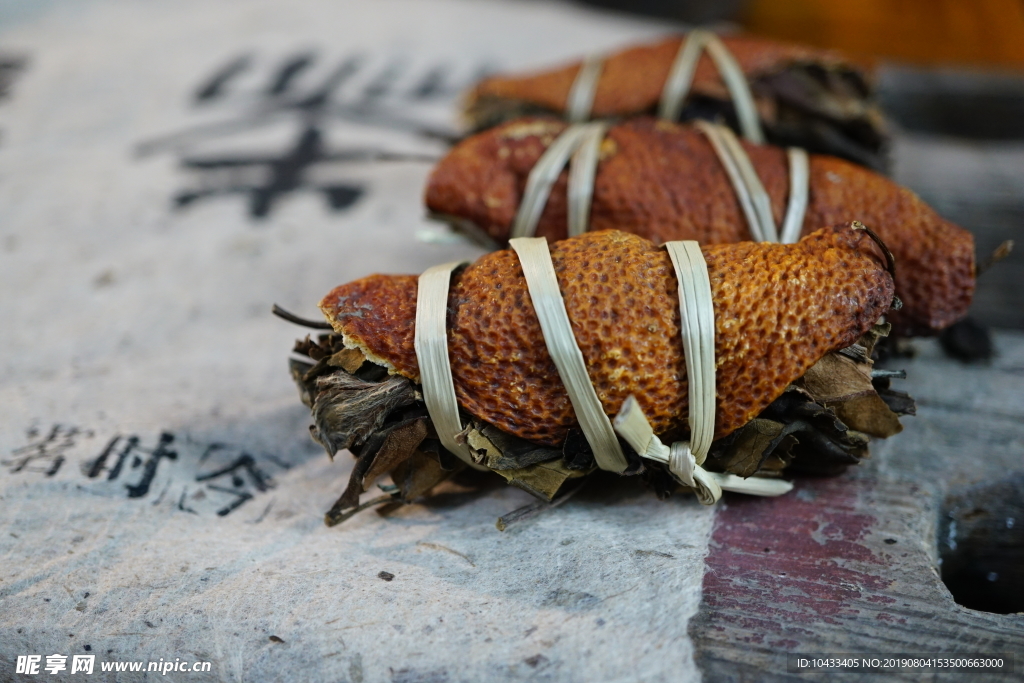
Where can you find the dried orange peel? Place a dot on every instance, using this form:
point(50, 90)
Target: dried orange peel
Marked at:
point(776, 312)
point(665, 182)
point(818, 99)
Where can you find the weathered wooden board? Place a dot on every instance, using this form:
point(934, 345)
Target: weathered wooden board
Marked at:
point(851, 564)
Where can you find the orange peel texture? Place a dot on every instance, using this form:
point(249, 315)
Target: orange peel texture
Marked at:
point(778, 309)
point(663, 181)
point(632, 80)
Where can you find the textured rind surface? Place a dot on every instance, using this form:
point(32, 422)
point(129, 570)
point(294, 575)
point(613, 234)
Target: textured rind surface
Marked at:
point(631, 80)
point(778, 309)
point(664, 182)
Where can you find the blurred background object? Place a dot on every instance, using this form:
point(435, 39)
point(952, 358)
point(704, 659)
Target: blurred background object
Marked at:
point(981, 33)
point(687, 11)
point(985, 33)
point(950, 80)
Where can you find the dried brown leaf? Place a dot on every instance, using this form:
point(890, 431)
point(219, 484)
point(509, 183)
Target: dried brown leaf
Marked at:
point(869, 414)
point(501, 451)
point(837, 378)
point(843, 384)
point(298, 370)
point(419, 473)
point(750, 449)
point(348, 360)
point(543, 480)
point(400, 443)
point(347, 410)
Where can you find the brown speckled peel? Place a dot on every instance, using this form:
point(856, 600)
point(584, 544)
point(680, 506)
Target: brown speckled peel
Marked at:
point(632, 80)
point(778, 309)
point(816, 99)
point(664, 182)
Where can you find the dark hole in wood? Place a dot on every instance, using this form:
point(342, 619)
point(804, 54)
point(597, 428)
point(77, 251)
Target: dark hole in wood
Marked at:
point(981, 546)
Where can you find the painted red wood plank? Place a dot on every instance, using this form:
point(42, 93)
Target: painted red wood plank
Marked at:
point(841, 565)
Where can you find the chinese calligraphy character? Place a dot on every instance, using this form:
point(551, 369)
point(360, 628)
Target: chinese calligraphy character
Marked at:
point(308, 163)
point(232, 474)
point(128, 451)
point(10, 68)
point(44, 454)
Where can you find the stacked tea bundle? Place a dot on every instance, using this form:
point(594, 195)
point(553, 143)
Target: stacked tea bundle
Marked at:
point(707, 312)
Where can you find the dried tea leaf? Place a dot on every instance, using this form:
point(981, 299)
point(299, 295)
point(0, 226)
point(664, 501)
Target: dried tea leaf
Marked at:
point(871, 338)
point(302, 346)
point(793, 430)
point(308, 347)
point(365, 455)
point(774, 463)
point(501, 451)
point(400, 443)
point(389, 450)
point(533, 509)
point(864, 349)
point(348, 360)
point(899, 402)
point(419, 473)
point(347, 410)
point(753, 445)
point(817, 444)
point(371, 372)
point(845, 385)
point(869, 414)
point(448, 461)
point(825, 93)
point(576, 452)
point(298, 370)
point(837, 378)
point(337, 514)
point(543, 480)
point(657, 477)
point(482, 447)
point(967, 340)
point(321, 368)
point(350, 498)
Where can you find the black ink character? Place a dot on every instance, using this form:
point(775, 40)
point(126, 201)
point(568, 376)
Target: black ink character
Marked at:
point(267, 177)
point(237, 478)
point(44, 454)
point(121, 452)
point(284, 174)
point(10, 68)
